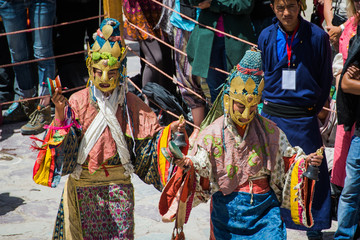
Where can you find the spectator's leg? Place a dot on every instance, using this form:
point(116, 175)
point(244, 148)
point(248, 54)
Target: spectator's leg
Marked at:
point(14, 18)
point(42, 13)
point(348, 210)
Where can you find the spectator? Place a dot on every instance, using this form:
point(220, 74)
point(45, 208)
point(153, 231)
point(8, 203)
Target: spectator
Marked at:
point(335, 16)
point(72, 38)
point(182, 31)
point(296, 58)
point(209, 49)
point(41, 13)
point(6, 74)
point(317, 17)
point(348, 109)
point(261, 16)
point(146, 14)
point(343, 138)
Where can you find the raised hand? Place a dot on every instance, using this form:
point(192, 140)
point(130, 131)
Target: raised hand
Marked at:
point(60, 102)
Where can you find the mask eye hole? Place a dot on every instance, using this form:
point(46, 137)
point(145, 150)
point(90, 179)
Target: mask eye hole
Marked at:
point(97, 72)
point(112, 73)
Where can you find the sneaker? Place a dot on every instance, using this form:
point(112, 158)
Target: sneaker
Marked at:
point(38, 119)
point(14, 113)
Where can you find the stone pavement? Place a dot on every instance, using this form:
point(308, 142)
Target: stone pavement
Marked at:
point(28, 210)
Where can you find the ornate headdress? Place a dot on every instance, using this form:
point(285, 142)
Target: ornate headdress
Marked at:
point(107, 55)
point(244, 85)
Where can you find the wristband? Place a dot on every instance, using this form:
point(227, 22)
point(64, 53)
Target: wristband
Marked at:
point(342, 27)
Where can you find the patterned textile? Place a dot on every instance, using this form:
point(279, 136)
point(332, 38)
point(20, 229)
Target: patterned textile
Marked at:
point(67, 155)
point(59, 223)
point(225, 147)
point(183, 73)
point(106, 212)
point(142, 13)
point(98, 205)
point(145, 163)
point(283, 172)
point(53, 162)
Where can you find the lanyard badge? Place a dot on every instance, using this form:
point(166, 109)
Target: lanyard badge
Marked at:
point(289, 75)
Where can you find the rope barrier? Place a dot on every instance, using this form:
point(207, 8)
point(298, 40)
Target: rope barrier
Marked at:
point(40, 97)
point(158, 39)
point(329, 110)
point(151, 65)
point(205, 26)
point(168, 76)
point(172, 47)
point(50, 26)
point(41, 59)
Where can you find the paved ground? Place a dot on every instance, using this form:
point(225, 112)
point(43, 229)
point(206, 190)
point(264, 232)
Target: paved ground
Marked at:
point(27, 210)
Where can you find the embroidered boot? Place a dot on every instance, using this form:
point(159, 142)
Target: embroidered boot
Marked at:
point(38, 119)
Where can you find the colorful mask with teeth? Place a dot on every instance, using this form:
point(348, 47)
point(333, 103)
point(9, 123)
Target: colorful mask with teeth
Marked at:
point(107, 58)
point(244, 85)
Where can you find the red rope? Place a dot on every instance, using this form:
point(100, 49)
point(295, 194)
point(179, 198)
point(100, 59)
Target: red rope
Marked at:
point(172, 47)
point(40, 97)
point(168, 76)
point(205, 26)
point(51, 26)
point(41, 59)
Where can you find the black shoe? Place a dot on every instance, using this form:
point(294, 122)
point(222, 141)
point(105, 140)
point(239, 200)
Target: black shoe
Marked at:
point(14, 113)
point(314, 235)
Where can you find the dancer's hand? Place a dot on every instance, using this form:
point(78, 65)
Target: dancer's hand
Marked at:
point(60, 102)
point(315, 158)
point(58, 99)
point(179, 125)
point(182, 163)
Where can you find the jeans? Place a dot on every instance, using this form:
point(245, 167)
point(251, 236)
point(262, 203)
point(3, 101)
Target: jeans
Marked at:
point(348, 210)
point(14, 16)
point(218, 59)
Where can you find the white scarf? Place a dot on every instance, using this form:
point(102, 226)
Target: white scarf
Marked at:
point(106, 117)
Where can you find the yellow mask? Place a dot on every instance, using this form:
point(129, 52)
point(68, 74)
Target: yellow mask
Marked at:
point(105, 64)
point(104, 77)
point(243, 93)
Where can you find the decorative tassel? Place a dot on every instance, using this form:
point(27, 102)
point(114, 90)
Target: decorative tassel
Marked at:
point(37, 139)
point(35, 147)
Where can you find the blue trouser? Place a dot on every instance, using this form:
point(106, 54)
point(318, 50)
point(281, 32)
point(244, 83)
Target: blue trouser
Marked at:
point(236, 216)
point(348, 210)
point(14, 16)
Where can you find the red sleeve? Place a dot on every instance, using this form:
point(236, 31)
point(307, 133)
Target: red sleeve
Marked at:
point(288, 161)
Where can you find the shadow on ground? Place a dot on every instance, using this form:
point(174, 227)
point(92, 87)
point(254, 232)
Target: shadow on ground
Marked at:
point(8, 203)
point(7, 130)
